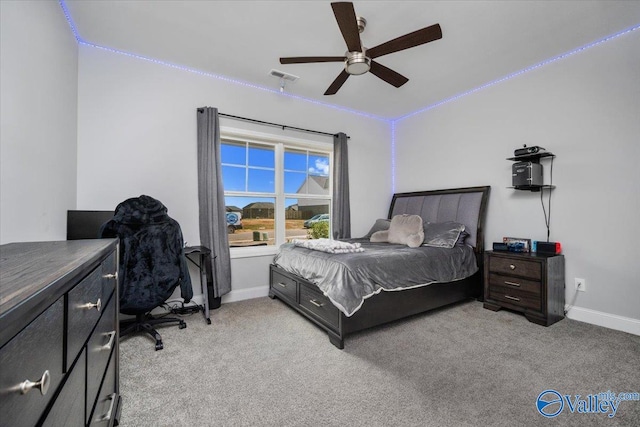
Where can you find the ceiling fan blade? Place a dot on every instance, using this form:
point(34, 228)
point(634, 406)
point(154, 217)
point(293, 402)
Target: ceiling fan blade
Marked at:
point(306, 59)
point(387, 74)
point(407, 41)
point(347, 21)
point(337, 83)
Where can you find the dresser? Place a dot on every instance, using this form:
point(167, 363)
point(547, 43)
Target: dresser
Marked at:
point(525, 282)
point(59, 335)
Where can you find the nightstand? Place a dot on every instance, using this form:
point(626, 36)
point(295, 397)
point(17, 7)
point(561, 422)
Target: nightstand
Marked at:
point(526, 282)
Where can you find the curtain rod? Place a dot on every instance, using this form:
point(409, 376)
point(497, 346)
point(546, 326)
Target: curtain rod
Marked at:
point(261, 122)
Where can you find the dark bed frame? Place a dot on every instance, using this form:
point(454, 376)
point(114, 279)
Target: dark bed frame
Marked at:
point(464, 205)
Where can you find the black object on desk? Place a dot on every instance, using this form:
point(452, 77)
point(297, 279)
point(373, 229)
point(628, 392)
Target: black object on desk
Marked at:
point(203, 262)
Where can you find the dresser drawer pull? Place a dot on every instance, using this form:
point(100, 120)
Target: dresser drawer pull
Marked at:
point(107, 416)
point(112, 337)
point(284, 285)
point(511, 266)
point(97, 305)
point(111, 276)
point(512, 283)
point(42, 385)
point(316, 303)
point(512, 298)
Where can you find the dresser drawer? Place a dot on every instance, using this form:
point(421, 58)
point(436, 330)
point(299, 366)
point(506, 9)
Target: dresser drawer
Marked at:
point(284, 285)
point(516, 297)
point(314, 301)
point(511, 282)
point(108, 399)
point(84, 307)
point(68, 409)
point(109, 277)
point(516, 267)
point(99, 348)
point(34, 354)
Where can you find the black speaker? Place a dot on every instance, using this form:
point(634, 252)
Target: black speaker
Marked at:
point(526, 174)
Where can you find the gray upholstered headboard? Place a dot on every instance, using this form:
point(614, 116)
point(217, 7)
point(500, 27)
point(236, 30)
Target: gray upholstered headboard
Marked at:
point(464, 205)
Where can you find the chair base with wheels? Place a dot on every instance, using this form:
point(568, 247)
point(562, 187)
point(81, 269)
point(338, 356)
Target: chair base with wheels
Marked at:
point(145, 323)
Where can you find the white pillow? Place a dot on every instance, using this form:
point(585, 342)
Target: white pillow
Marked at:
point(403, 230)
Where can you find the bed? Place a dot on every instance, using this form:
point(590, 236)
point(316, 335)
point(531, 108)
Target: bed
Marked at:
point(294, 281)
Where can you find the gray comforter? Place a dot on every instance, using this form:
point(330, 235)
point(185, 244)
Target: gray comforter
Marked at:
point(348, 279)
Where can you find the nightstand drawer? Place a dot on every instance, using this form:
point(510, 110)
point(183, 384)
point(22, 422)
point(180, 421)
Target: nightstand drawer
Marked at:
point(511, 282)
point(285, 285)
point(516, 267)
point(516, 297)
point(314, 301)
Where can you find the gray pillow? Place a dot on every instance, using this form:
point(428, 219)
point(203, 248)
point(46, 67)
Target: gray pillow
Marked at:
point(380, 225)
point(443, 234)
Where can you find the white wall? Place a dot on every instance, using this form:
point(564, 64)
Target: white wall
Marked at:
point(38, 100)
point(137, 135)
point(586, 110)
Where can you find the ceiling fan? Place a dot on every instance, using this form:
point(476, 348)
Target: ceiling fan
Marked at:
point(358, 59)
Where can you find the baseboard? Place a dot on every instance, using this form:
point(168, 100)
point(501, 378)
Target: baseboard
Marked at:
point(243, 294)
point(611, 321)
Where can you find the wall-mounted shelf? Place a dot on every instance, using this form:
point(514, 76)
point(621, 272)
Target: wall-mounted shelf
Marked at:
point(533, 158)
point(532, 187)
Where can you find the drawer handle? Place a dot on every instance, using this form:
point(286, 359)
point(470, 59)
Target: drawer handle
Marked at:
point(42, 385)
point(112, 337)
point(511, 266)
point(90, 305)
point(284, 285)
point(111, 276)
point(316, 303)
point(512, 283)
point(107, 416)
point(512, 298)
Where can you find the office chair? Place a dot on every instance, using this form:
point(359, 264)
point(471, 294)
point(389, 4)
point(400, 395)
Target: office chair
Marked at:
point(152, 263)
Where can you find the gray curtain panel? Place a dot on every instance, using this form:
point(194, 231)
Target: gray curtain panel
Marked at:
point(341, 212)
point(213, 223)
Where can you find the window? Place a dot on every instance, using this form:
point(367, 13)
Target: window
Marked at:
point(276, 189)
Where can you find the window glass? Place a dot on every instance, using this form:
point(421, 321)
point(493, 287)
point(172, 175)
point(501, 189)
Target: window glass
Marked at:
point(261, 157)
point(233, 153)
point(249, 177)
point(295, 182)
point(250, 220)
point(262, 181)
point(318, 164)
point(295, 160)
point(234, 178)
point(306, 172)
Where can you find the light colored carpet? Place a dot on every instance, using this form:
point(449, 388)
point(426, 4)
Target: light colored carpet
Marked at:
point(261, 364)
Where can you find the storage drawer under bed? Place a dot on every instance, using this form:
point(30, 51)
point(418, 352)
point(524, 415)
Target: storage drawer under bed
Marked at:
point(284, 285)
point(313, 300)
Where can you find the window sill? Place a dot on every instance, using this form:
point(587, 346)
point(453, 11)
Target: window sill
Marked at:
point(249, 252)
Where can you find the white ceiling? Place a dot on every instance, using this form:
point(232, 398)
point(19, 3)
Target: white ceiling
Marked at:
point(482, 41)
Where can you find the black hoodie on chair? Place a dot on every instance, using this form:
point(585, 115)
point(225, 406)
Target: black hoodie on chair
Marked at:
point(152, 260)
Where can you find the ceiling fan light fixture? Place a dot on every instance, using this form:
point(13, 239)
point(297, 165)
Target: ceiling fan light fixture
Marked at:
point(357, 63)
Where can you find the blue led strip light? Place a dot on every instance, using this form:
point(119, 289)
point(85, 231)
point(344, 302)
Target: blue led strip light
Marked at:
point(393, 156)
point(69, 20)
point(517, 73)
point(212, 75)
point(235, 81)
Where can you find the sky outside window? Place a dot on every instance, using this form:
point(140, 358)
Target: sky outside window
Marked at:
point(251, 168)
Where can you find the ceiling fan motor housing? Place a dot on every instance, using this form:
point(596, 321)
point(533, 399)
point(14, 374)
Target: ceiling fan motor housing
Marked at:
point(357, 62)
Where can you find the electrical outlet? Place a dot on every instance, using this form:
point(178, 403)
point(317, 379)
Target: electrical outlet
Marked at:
point(581, 284)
